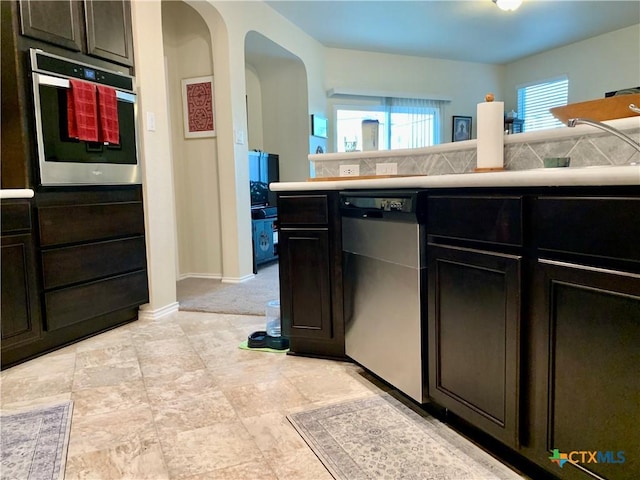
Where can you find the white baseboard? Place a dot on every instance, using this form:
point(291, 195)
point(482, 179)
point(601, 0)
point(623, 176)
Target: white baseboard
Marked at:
point(211, 276)
point(237, 279)
point(216, 276)
point(145, 313)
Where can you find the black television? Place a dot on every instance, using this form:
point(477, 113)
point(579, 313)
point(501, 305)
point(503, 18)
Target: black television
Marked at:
point(264, 169)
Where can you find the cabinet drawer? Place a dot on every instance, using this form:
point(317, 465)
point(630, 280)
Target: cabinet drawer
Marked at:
point(480, 218)
point(72, 305)
point(15, 217)
point(595, 226)
point(70, 224)
point(81, 263)
point(303, 209)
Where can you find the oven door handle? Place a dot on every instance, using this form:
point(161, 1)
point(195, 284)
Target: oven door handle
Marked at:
point(50, 81)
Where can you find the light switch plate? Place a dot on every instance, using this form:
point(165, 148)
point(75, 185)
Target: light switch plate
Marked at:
point(387, 168)
point(151, 122)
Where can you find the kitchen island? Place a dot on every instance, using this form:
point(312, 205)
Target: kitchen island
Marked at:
point(531, 310)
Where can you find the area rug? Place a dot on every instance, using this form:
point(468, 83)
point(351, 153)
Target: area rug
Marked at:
point(34, 442)
point(379, 437)
point(247, 298)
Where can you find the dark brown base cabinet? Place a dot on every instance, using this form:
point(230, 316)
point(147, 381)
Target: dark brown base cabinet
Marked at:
point(533, 328)
point(585, 370)
point(473, 337)
point(474, 308)
point(91, 273)
point(20, 314)
point(583, 363)
point(310, 251)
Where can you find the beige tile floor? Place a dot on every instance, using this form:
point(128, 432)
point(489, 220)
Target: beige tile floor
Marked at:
point(177, 399)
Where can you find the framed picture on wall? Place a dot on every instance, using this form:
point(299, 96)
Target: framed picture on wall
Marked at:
point(318, 126)
point(461, 129)
point(198, 107)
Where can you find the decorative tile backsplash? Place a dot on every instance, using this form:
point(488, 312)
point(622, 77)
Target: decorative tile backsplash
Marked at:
point(584, 150)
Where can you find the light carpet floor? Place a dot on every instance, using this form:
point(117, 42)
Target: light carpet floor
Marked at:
point(34, 442)
point(380, 438)
point(247, 298)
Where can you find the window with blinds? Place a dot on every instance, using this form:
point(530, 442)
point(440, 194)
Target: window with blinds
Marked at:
point(403, 123)
point(534, 102)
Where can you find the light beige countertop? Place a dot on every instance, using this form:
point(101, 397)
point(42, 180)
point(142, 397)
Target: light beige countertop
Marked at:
point(16, 193)
point(540, 177)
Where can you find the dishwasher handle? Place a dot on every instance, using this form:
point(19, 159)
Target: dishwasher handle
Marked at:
point(372, 214)
point(377, 214)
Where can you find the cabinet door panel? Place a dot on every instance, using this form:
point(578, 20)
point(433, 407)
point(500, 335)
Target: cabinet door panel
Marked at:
point(109, 30)
point(591, 324)
point(15, 217)
point(56, 22)
point(474, 316)
point(305, 294)
point(20, 311)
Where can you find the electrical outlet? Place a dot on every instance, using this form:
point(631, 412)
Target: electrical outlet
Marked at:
point(349, 170)
point(386, 169)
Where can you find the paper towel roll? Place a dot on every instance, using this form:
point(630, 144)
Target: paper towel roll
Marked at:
point(490, 119)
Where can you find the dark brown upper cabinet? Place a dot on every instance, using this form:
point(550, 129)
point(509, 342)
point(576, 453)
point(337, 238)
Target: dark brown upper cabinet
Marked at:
point(101, 29)
point(53, 22)
point(109, 30)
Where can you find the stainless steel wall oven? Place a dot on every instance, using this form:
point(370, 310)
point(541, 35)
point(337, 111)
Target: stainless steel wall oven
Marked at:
point(63, 160)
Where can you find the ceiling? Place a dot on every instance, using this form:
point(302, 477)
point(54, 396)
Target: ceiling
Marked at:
point(463, 30)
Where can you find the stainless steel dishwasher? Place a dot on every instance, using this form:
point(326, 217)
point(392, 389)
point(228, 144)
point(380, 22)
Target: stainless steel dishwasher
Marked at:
point(384, 276)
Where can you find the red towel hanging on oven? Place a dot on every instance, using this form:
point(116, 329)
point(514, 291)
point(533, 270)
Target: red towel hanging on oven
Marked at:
point(108, 115)
point(82, 111)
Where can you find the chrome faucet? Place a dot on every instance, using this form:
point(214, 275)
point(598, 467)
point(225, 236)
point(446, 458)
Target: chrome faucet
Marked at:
point(572, 122)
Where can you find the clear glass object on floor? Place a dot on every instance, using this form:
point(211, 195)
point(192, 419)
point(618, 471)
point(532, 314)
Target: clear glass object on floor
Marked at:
point(272, 312)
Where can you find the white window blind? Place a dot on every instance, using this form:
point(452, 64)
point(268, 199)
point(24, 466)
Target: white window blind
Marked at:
point(403, 123)
point(414, 123)
point(534, 102)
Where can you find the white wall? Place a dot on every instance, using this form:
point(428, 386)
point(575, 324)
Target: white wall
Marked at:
point(187, 46)
point(594, 66)
point(254, 109)
point(229, 23)
point(464, 83)
point(284, 106)
point(286, 118)
point(155, 158)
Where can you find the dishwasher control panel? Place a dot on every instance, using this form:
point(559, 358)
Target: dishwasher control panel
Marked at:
point(386, 204)
point(395, 204)
point(401, 205)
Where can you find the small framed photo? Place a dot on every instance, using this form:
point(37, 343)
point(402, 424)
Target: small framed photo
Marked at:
point(198, 107)
point(318, 126)
point(461, 128)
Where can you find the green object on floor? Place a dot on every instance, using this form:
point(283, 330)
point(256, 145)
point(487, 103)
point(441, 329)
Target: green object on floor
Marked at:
point(243, 346)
